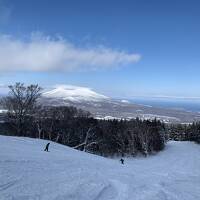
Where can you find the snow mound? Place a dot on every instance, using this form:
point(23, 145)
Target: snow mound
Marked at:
point(125, 101)
point(74, 93)
point(27, 172)
point(3, 111)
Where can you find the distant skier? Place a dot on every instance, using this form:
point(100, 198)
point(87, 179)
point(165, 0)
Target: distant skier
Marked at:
point(47, 147)
point(122, 161)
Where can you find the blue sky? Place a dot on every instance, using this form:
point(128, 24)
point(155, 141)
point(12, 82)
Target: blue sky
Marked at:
point(119, 48)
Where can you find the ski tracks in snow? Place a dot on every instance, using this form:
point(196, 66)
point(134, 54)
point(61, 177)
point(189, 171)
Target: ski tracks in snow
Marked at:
point(7, 185)
point(66, 174)
point(115, 190)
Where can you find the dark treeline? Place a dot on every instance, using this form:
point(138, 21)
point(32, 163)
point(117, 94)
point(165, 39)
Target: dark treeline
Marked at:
point(185, 132)
point(77, 128)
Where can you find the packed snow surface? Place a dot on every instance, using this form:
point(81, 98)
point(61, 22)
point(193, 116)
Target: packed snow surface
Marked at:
point(29, 173)
point(74, 93)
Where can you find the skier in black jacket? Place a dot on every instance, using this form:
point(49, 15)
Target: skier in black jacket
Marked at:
point(122, 161)
point(47, 147)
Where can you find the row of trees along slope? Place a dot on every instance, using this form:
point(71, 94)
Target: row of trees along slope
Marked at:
point(77, 128)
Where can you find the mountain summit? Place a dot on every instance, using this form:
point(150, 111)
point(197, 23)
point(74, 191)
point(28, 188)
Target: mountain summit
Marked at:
point(74, 94)
point(103, 107)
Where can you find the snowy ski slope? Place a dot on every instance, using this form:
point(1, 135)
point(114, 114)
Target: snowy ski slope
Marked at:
point(29, 173)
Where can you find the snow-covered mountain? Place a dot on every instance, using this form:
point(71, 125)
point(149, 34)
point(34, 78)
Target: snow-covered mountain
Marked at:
point(103, 107)
point(74, 94)
point(29, 173)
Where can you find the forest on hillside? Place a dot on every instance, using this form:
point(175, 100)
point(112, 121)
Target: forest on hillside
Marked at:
point(78, 129)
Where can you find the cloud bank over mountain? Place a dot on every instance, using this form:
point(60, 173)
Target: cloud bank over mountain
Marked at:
point(41, 53)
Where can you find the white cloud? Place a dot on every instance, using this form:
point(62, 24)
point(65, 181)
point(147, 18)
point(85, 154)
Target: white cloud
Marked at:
point(43, 53)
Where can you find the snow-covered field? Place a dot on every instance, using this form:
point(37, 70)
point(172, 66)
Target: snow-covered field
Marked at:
point(29, 173)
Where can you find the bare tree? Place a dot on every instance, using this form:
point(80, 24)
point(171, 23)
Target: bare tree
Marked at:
point(86, 144)
point(21, 104)
point(39, 128)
